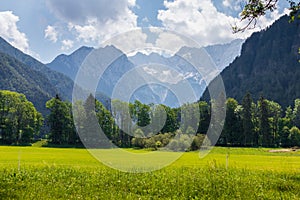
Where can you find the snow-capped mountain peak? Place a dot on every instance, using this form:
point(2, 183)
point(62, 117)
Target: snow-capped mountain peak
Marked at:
point(193, 66)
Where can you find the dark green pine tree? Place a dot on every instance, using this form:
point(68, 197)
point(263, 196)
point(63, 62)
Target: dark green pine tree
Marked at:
point(104, 118)
point(264, 126)
point(204, 117)
point(171, 124)
point(249, 138)
point(60, 121)
point(229, 135)
point(91, 133)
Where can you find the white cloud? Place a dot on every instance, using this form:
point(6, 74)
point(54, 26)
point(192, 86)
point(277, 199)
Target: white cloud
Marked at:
point(101, 22)
point(201, 21)
point(197, 19)
point(95, 31)
point(94, 21)
point(132, 3)
point(67, 44)
point(233, 4)
point(51, 34)
point(171, 42)
point(226, 3)
point(78, 11)
point(131, 42)
point(10, 32)
point(86, 32)
point(145, 19)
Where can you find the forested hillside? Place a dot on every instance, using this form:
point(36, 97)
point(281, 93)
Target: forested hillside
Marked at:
point(16, 76)
point(62, 83)
point(268, 65)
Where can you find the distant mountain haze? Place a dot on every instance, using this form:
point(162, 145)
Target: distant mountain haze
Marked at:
point(70, 64)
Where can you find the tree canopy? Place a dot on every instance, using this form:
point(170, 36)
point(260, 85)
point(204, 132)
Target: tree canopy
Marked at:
point(19, 120)
point(60, 120)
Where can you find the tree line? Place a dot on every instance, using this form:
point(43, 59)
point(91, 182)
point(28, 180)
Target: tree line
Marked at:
point(264, 123)
point(247, 124)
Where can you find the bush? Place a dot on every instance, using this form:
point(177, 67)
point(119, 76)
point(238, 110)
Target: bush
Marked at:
point(197, 142)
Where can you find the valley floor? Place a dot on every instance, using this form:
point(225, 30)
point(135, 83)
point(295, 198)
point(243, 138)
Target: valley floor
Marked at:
point(226, 173)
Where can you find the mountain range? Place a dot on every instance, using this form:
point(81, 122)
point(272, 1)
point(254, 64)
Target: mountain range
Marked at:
point(265, 64)
point(157, 93)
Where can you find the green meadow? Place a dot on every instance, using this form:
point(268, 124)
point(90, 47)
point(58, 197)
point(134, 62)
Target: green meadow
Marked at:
point(225, 173)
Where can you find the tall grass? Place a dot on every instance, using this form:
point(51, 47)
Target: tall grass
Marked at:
point(210, 182)
point(74, 174)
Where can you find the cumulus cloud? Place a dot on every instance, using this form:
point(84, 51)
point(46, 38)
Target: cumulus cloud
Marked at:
point(131, 42)
point(95, 20)
point(95, 31)
point(197, 19)
point(10, 32)
point(234, 4)
point(202, 21)
point(171, 42)
point(51, 34)
point(87, 32)
point(132, 3)
point(78, 11)
point(67, 44)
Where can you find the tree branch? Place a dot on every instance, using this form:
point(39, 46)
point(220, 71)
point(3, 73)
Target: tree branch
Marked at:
point(254, 9)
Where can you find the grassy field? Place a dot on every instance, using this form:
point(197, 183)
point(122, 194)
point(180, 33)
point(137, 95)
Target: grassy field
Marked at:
point(235, 173)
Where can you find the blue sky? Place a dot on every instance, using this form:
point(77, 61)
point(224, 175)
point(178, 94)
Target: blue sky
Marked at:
point(47, 28)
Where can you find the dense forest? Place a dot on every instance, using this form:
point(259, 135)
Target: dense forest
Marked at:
point(18, 77)
point(268, 64)
point(58, 81)
point(247, 124)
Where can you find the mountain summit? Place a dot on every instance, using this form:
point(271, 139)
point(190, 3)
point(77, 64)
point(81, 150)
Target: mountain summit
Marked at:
point(70, 64)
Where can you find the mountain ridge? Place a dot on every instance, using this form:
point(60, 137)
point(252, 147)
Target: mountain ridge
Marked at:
point(16, 76)
point(62, 83)
point(65, 64)
point(71, 62)
point(268, 65)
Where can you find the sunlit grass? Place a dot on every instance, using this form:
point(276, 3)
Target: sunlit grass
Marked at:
point(243, 158)
point(51, 173)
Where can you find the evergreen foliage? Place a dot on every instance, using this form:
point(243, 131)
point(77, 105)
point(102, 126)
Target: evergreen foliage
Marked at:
point(62, 83)
point(269, 64)
point(18, 77)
